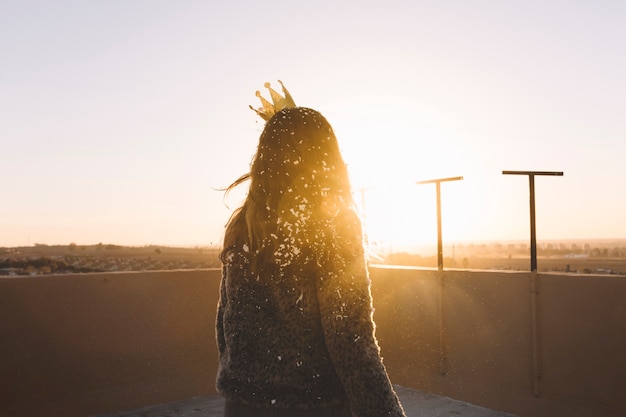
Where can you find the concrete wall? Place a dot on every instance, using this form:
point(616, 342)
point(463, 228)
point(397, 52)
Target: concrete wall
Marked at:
point(471, 336)
point(76, 345)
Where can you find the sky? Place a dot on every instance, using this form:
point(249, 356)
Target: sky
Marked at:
point(120, 121)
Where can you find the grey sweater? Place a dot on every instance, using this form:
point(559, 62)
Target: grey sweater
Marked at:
point(302, 334)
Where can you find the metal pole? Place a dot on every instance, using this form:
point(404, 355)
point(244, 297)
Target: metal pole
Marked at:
point(534, 280)
point(533, 234)
point(443, 357)
point(443, 360)
point(533, 229)
point(534, 333)
point(439, 237)
point(438, 182)
point(364, 217)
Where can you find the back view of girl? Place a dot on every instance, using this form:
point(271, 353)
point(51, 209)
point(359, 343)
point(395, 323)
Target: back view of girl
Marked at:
point(295, 331)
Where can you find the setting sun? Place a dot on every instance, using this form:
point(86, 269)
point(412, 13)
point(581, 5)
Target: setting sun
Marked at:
point(398, 214)
point(397, 218)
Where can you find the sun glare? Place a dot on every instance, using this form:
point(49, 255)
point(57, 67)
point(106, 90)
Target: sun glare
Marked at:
point(386, 158)
point(397, 219)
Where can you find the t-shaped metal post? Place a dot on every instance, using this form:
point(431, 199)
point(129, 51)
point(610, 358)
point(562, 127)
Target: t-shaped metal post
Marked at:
point(438, 182)
point(533, 233)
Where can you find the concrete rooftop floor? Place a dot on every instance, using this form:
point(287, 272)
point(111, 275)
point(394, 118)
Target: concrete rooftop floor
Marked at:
point(415, 403)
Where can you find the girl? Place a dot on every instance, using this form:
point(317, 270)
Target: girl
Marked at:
point(295, 331)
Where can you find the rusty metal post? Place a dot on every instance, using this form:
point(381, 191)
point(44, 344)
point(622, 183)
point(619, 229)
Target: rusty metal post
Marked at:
point(443, 357)
point(438, 182)
point(534, 281)
point(533, 232)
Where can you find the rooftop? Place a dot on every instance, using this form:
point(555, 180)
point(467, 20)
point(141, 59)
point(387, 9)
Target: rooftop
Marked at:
point(415, 403)
point(456, 342)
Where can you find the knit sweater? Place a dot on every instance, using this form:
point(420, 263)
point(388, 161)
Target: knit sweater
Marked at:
point(301, 335)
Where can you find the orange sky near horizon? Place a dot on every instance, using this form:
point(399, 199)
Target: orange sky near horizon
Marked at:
point(120, 121)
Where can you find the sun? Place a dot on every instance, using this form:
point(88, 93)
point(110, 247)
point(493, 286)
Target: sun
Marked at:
point(397, 219)
point(387, 156)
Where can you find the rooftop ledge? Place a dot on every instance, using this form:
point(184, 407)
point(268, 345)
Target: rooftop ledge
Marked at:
point(528, 344)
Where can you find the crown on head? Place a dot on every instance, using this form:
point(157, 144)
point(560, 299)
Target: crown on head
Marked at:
point(278, 102)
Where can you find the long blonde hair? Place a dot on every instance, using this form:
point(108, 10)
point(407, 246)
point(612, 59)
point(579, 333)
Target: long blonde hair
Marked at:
point(299, 198)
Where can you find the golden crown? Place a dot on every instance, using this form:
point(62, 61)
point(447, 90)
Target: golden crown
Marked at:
point(278, 102)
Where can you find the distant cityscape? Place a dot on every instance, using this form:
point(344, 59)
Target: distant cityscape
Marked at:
point(69, 259)
point(606, 256)
point(593, 256)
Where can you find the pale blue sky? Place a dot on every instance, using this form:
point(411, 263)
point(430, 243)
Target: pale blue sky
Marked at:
point(118, 119)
